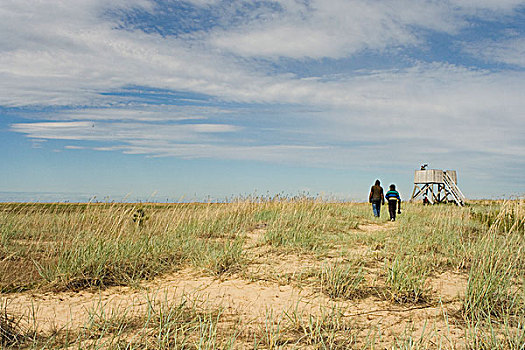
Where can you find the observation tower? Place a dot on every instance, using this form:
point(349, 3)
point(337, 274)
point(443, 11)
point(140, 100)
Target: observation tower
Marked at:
point(437, 186)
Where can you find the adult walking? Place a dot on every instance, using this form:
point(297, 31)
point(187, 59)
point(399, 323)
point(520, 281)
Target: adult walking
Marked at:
point(393, 198)
point(377, 198)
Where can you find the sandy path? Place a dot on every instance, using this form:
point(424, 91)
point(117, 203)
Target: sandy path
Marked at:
point(251, 300)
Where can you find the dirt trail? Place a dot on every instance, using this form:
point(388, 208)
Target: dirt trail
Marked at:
point(373, 227)
point(249, 299)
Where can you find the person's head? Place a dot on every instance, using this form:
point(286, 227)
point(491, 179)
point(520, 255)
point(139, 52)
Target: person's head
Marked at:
point(377, 183)
point(393, 187)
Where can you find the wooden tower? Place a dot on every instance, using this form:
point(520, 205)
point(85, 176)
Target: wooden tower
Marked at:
point(437, 186)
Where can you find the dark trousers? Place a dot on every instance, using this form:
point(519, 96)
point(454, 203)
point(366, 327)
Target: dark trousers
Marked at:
point(392, 206)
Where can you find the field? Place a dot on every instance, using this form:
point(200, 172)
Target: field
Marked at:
point(262, 274)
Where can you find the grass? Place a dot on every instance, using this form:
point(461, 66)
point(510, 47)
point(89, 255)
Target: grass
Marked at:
point(494, 303)
point(70, 247)
point(328, 329)
point(340, 281)
point(406, 281)
point(102, 245)
point(307, 225)
point(9, 334)
point(218, 258)
point(496, 289)
point(12, 332)
point(67, 246)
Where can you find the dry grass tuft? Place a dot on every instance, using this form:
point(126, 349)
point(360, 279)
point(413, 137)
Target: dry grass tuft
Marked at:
point(11, 332)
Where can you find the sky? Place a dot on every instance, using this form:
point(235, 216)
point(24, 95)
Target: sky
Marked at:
point(171, 100)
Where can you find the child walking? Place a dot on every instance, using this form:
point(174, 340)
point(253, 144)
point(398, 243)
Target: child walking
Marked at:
point(393, 198)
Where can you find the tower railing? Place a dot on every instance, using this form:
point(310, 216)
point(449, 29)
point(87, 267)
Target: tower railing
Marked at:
point(454, 190)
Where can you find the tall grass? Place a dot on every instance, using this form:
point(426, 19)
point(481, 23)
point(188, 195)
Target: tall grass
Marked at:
point(309, 226)
point(72, 246)
point(494, 303)
point(218, 258)
point(494, 290)
point(441, 237)
point(497, 274)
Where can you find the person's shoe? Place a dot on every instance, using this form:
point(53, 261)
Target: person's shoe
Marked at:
point(392, 219)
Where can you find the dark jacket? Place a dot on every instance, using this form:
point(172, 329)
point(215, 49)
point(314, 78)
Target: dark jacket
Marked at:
point(376, 194)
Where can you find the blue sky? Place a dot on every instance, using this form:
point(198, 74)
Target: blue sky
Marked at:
point(209, 99)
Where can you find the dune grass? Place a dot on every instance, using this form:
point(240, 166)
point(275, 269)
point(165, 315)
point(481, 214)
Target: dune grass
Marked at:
point(74, 246)
point(494, 303)
point(342, 281)
point(71, 247)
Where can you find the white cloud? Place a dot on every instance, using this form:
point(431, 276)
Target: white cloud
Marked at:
point(137, 112)
point(269, 153)
point(332, 29)
point(341, 28)
point(71, 62)
point(122, 132)
point(432, 108)
point(510, 51)
point(75, 147)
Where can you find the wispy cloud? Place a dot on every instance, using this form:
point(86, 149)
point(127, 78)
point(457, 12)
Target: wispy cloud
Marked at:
point(510, 51)
point(334, 29)
point(88, 131)
point(71, 62)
